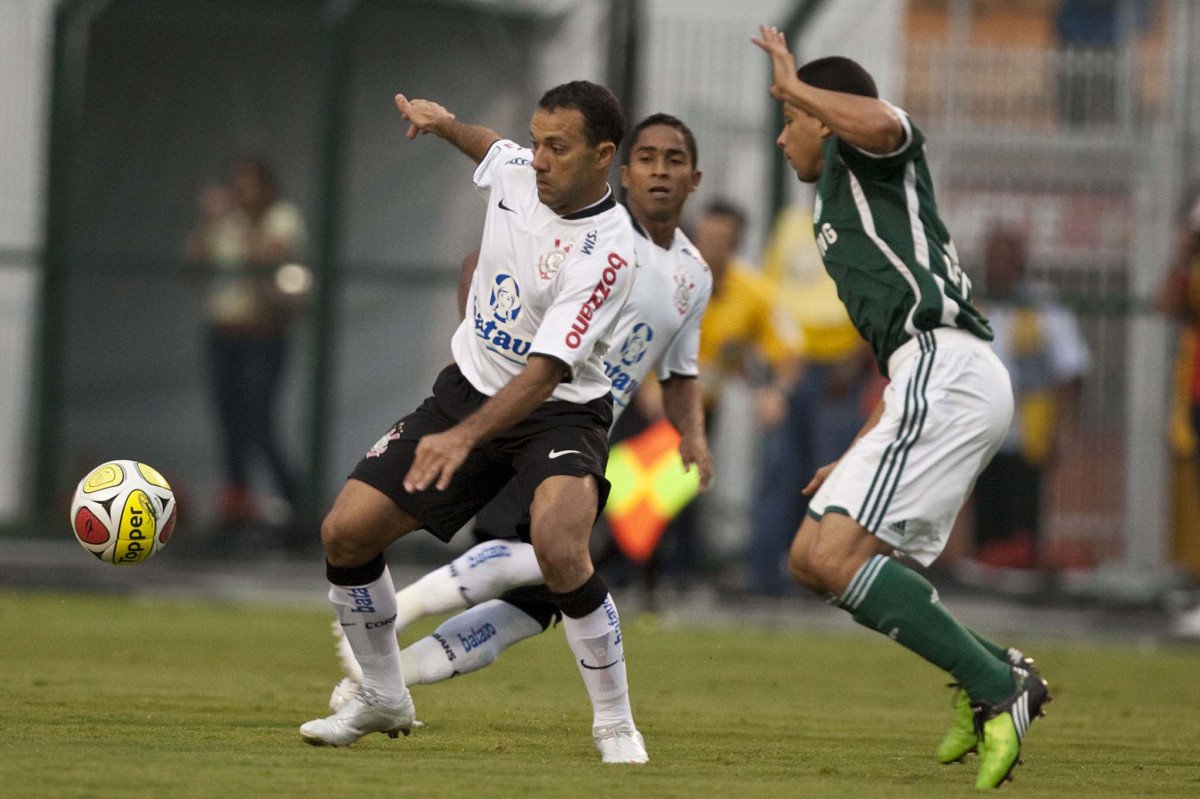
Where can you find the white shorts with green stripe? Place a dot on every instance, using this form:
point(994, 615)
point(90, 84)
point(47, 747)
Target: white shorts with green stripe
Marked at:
point(947, 410)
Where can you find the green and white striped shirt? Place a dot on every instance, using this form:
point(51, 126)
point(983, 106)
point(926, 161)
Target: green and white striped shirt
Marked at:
point(885, 246)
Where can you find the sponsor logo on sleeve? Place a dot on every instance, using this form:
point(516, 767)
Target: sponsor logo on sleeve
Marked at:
point(518, 161)
point(601, 293)
point(589, 242)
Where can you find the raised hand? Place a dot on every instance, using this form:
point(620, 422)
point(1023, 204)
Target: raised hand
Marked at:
point(783, 63)
point(425, 115)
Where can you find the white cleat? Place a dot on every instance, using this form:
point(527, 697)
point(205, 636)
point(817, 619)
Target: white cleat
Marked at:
point(621, 743)
point(365, 713)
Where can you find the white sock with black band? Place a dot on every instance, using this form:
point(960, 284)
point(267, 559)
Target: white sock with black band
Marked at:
point(364, 600)
point(593, 631)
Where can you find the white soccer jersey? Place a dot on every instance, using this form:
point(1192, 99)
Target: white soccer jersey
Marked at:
point(659, 326)
point(545, 284)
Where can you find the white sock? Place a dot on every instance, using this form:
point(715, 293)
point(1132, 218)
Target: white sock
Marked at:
point(367, 614)
point(596, 641)
point(467, 642)
point(483, 572)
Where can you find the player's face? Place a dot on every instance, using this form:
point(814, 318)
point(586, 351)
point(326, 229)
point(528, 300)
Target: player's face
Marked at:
point(569, 170)
point(660, 174)
point(801, 140)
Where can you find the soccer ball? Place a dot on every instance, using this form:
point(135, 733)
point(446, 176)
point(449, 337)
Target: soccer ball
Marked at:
point(123, 512)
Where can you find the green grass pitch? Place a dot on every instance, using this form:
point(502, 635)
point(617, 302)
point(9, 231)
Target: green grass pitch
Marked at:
point(115, 697)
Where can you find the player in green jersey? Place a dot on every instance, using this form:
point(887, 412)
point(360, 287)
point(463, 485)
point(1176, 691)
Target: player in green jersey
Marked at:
point(944, 414)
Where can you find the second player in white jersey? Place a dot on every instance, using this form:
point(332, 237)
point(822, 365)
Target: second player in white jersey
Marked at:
point(545, 284)
point(659, 327)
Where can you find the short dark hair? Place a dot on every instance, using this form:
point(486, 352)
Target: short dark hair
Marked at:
point(838, 74)
point(670, 122)
point(603, 119)
point(728, 208)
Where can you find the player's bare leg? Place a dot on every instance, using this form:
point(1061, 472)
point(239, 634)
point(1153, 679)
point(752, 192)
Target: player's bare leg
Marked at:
point(840, 558)
point(362, 523)
point(563, 511)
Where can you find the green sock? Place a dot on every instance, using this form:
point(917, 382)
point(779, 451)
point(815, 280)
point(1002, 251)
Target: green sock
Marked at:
point(998, 651)
point(901, 604)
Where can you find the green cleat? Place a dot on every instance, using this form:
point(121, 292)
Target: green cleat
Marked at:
point(962, 738)
point(1001, 728)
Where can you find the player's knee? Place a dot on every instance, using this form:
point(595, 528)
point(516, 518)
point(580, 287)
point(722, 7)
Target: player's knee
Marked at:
point(563, 563)
point(822, 567)
point(339, 542)
point(797, 566)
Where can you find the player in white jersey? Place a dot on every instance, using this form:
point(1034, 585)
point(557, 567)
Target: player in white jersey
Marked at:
point(659, 331)
point(526, 398)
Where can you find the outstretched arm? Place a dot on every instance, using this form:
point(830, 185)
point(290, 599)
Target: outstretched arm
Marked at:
point(681, 401)
point(439, 455)
point(865, 122)
point(427, 116)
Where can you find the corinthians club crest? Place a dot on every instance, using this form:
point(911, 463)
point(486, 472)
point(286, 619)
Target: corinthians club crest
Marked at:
point(381, 445)
point(683, 292)
point(549, 264)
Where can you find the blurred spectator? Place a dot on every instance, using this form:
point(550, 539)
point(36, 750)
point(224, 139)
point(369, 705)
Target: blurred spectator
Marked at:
point(245, 240)
point(746, 333)
point(827, 407)
point(1039, 341)
point(1180, 299)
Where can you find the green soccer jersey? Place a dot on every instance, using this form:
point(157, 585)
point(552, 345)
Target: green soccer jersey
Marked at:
point(877, 226)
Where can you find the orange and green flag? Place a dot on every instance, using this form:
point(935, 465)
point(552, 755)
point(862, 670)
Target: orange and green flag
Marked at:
point(649, 488)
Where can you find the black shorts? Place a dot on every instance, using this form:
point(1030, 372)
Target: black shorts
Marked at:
point(558, 438)
point(504, 517)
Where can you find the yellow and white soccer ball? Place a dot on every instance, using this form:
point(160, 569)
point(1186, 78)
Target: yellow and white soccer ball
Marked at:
point(123, 512)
